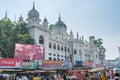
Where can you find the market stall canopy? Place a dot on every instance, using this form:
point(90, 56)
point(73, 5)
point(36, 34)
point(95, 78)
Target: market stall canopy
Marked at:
point(96, 70)
point(36, 71)
point(10, 70)
point(116, 70)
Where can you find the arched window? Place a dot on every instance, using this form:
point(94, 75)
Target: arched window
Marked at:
point(65, 49)
point(68, 50)
point(41, 40)
point(58, 47)
point(75, 52)
point(50, 45)
point(54, 46)
point(61, 48)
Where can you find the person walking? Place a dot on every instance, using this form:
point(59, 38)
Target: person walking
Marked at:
point(103, 76)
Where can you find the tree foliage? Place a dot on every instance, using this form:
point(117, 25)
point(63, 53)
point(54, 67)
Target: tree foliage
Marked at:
point(10, 34)
point(98, 43)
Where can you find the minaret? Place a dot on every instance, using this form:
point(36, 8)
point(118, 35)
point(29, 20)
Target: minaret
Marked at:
point(6, 18)
point(20, 18)
point(45, 23)
point(82, 38)
point(34, 5)
point(77, 35)
point(6, 14)
point(59, 17)
point(71, 34)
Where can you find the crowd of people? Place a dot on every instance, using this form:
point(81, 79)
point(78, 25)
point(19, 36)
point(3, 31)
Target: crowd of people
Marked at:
point(101, 75)
point(96, 75)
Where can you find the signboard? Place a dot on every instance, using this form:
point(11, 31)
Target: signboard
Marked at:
point(29, 65)
point(89, 64)
point(10, 63)
point(29, 52)
point(66, 64)
point(78, 63)
point(46, 64)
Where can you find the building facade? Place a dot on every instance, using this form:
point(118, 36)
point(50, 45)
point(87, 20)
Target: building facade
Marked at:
point(59, 45)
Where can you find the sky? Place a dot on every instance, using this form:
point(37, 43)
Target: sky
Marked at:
point(99, 18)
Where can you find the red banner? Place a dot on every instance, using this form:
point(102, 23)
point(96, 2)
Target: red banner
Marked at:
point(10, 63)
point(29, 52)
point(51, 64)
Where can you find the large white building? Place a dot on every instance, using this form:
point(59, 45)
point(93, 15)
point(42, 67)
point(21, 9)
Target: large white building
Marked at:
point(58, 44)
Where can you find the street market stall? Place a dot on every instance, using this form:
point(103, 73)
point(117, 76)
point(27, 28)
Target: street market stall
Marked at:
point(76, 74)
point(0, 70)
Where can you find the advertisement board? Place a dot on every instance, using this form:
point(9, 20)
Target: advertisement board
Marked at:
point(89, 64)
point(29, 52)
point(66, 64)
point(46, 64)
point(29, 65)
point(10, 63)
point(79, 63)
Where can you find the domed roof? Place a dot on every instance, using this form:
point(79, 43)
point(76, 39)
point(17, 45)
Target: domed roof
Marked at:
point(60, 25)
point(33, 13)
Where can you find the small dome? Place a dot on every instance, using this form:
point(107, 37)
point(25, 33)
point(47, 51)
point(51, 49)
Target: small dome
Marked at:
point(33, 13)
point(60, 25)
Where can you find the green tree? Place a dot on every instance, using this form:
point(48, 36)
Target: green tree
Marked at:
point(6, 30)
point(99, 43)
point(10, 34)
point(21, 34)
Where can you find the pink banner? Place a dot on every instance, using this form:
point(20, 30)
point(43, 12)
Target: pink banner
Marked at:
point(10, 63)
point(29, 52)
point(85, 63)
